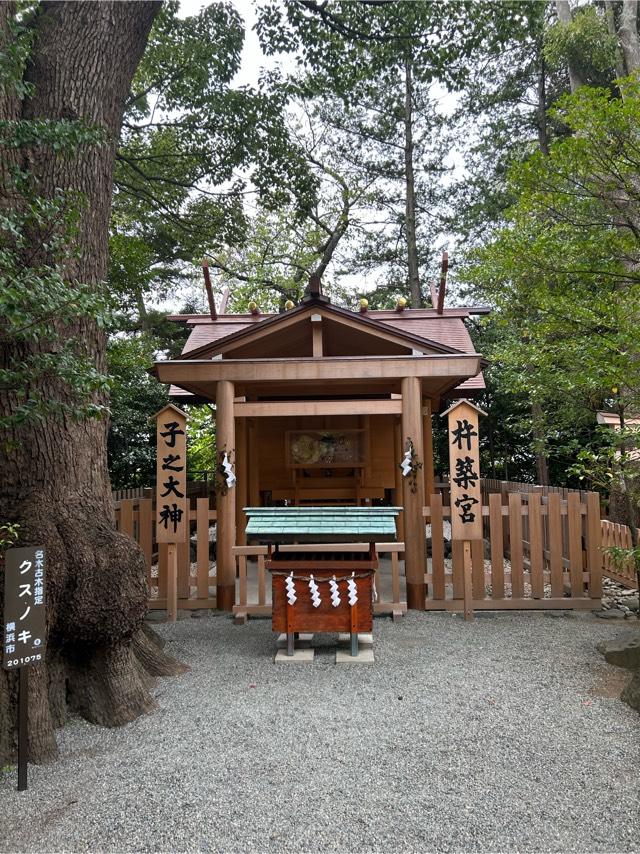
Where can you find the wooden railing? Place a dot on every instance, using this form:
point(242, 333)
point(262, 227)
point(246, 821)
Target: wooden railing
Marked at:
point(618, 536)
point(253, 598)
point(196, 584)
point(544, 552)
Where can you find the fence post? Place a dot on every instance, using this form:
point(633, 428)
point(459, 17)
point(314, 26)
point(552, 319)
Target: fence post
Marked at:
point(594, 545)
point(506, 534)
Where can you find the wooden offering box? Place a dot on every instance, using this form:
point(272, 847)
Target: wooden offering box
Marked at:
point(302, 616)
point(301, 572)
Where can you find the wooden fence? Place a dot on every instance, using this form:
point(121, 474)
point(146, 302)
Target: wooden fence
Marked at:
point(541, 552)
point(195, 489)
point(615, 535)
point(196, 584)
point(254, 597)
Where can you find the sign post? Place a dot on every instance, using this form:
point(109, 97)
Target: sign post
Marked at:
point(464, 477)
point(172, 504)
point(25, 631)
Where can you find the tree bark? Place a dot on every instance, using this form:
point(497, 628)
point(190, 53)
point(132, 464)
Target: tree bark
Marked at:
point(410, 201)
point(542, 467)
point(55, 479)
point(611, 27)
point(563, 10)
point(628, 35)
point(541, 110)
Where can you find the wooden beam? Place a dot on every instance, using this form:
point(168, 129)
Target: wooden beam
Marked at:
point(413, 496)
point(286, 408)
point(226, 503)
point(330, 368)
point(316, 330)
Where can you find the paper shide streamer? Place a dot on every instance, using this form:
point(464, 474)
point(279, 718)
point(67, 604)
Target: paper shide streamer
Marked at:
point(315, 593)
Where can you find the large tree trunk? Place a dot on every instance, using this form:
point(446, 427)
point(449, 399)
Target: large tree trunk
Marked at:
point(563, 11)
point(55, 479)
point(410, 184)
point(628, 35)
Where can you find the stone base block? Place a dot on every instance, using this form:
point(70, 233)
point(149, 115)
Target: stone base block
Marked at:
point(300, 656)
point(364, 656)
point(365, 638)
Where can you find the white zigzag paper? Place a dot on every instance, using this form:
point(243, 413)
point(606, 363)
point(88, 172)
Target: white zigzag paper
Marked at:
point(353, 591)
point(291, 590)
point(315, 595)
point(228, 470)
point(335, 592)
point(405, 465)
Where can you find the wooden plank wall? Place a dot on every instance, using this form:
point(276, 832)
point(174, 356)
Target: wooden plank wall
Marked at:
point(196, 588)
point(539, 551)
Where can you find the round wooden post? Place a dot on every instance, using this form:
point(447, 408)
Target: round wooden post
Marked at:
point(241, 467)
point(397, 446)
point(226, 504)
point(429, 478)
point(414, 526)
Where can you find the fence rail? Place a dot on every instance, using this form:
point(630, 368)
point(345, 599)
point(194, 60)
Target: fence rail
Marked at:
point(541, 552)
point(196, 583)
point(615, 535)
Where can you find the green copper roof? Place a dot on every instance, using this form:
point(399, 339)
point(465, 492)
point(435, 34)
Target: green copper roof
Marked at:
point(321, 524)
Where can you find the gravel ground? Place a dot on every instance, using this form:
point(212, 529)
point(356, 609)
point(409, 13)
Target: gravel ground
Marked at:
point(501, 735)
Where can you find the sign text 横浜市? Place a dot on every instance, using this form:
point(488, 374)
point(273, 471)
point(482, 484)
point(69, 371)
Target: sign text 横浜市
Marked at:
point(25, 622)
point(172, 506)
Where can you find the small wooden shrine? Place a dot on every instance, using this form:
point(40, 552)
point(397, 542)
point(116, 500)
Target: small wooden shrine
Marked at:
point(320, 405)
point(321, 589)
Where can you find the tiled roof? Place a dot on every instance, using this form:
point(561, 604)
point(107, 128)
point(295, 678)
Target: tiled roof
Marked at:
point(321, 524)
point(447, 329)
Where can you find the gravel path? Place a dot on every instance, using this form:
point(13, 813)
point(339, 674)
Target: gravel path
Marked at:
point(502, 735)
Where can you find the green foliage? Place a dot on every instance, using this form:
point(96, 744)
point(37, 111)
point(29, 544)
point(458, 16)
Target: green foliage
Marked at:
point(201, 442)
point(9, 535)
point(135, 397)
point(585, 43)
point(193, 148)
point(562, 271)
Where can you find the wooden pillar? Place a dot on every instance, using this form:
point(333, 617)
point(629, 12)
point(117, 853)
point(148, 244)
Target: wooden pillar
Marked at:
point(226, 504)
point(414, 526)
point(254, 464)
point(398, 497)
point(429, 478)
point(242, 486)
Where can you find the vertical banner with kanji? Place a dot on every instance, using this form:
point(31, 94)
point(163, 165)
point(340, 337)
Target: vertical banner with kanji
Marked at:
point(464, 467)
point(25, 623)
point(172, 507)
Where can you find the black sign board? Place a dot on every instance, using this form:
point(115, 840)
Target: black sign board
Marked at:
point(24, 607)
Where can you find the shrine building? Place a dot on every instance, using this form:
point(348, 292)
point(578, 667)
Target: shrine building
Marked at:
point(317, 406)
